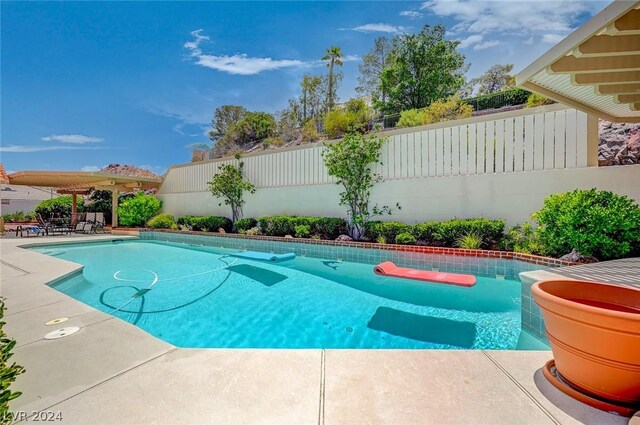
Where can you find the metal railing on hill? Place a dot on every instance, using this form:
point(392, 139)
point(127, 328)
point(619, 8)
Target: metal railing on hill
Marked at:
point(511, 97)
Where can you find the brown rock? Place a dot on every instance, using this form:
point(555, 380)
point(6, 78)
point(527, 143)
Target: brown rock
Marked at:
point(221, 230)
point(576, 257)
point(344, 238)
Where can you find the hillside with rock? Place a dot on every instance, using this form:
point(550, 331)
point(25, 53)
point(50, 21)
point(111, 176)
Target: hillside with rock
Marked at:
point(128, 170)
point(619, 143)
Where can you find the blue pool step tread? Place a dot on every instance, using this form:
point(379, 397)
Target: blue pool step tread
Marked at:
point(265, 256)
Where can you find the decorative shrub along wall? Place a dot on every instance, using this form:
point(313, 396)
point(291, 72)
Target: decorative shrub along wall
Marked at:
point(595, 223)
point(8, 371)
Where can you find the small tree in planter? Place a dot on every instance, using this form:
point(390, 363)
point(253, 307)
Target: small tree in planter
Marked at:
point(350, 160)
point(230, 185)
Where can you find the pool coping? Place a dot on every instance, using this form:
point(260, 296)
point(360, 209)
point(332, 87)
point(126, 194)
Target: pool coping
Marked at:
point(481, 253)
point(110, 359)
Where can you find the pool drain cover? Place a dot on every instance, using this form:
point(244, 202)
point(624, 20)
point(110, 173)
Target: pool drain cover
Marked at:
point(56, 321)
point(62, 332)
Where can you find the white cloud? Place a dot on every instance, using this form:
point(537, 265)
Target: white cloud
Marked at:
point(411, 14)
point(469, 41)
point(486, 44)
point(242, 64)
point(91, 168)
point(552, 38)
point(78, 139)
point(30, 149)
point(391, 29)
point(238, 64)
point(529, 40)
point(521, 17)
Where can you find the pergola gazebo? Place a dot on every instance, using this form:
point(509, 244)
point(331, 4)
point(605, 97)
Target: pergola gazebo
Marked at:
point(595, 69)
point(76, 183)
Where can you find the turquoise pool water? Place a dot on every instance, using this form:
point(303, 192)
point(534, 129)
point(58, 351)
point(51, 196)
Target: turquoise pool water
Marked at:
point(202, 297)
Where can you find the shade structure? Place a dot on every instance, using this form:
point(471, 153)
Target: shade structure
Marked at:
point(596, 68)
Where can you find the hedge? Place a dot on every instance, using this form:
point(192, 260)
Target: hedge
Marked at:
point(162, 221)
point(444, 233)
point(323, 227)
point(208, 223)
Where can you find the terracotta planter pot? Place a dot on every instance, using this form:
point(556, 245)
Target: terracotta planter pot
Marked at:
point(594, 331)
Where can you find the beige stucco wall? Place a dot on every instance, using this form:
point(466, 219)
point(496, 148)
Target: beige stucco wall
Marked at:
point(512, 196)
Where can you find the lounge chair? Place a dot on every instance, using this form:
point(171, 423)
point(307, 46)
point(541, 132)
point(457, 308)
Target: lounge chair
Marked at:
point(86, 225)
point(99, 223)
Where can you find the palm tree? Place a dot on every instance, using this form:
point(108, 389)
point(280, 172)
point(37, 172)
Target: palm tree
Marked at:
point(334, 57)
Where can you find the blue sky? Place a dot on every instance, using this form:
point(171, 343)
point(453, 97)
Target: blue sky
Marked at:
point(86, 84)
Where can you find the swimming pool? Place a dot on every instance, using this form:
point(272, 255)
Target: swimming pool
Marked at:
point(202, 297)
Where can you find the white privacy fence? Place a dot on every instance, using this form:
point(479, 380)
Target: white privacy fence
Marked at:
point(532, 139)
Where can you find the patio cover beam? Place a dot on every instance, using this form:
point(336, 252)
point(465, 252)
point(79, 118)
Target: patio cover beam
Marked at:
point(594, 68)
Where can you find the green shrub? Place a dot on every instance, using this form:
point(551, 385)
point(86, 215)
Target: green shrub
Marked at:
point(438, 111)
point(211, 223)
point(470, 241)
point(19, 217)
point(405, 238)
point(59, 206)
point(303, 231)
point(381, 240)
point(411, 118)
point(279, 225)
point(138, 210)
point(354, 116)
point(245, 224)
point(595, 223)
point(535, 100)
point(522, 238)
point(253, 231)
point(323, 227)
point(388, 229)
point(162, 221)
point(8, 372)
point(329, 227)
point(185, 220)
point(426, 233)
point(310, 132)
point(491, 231)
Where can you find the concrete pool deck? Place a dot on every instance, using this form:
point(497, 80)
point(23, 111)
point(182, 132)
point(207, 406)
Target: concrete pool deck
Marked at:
point(112, 372)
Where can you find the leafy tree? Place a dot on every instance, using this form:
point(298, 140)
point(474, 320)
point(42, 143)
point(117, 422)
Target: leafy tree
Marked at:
point(312, 96)
point(224, 118)
point(371, 68)
point(423, 67)
point(333, 56)
point(59, 206)
point(496, 78)
point(350, 160)
point(288, 121)
point(230, 185)
point(8, 371)
point(252, 128)
point(136, 211)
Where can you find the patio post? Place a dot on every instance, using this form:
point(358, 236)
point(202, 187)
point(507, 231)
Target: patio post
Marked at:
point(74, 203)
point(114, 207)
point(592, 140)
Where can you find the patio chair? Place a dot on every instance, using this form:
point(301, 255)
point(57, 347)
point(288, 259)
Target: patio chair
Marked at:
point(43, 224)
point(86, 225)
point(99, 223)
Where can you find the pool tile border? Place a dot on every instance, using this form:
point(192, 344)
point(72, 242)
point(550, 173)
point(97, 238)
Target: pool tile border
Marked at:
point(480, 253)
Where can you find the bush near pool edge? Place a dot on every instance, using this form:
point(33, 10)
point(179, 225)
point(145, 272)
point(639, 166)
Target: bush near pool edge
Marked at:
point(323, 227)
point(139, 209)
point(595, 223)
point(245, 224)
point(209, 223)
point(162, 221)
